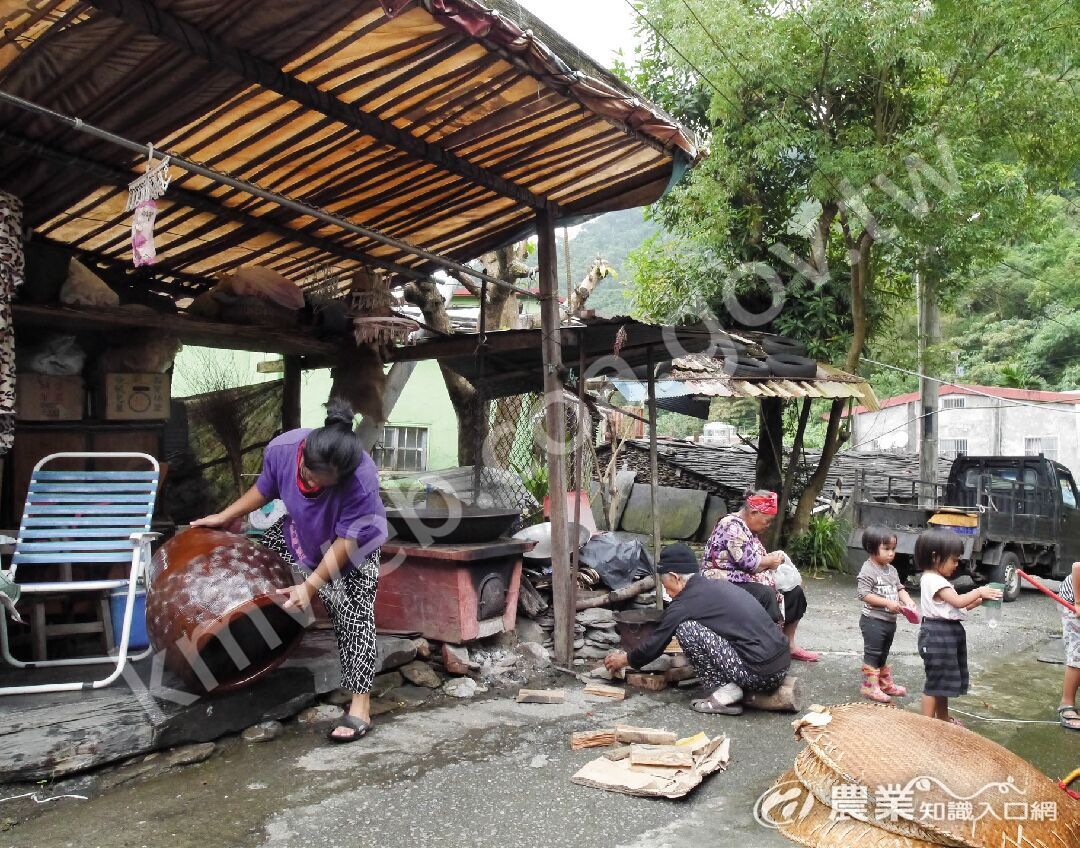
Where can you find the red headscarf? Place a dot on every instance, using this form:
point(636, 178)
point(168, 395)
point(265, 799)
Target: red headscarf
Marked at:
point(765, 504)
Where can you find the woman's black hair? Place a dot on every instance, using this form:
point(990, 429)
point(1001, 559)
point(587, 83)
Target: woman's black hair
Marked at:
point(334, 448)
point(936, 545)
point(876, 535)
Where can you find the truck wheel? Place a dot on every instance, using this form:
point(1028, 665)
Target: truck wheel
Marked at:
point(1007, 572)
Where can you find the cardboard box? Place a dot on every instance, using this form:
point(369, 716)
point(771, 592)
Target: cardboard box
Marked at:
point(136, 397)
point(43, 397)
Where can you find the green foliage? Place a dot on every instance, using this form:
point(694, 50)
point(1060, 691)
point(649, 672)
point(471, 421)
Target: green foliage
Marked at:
point(612, 236)
point(935, 127)
point(822, 547)
point(676, 426)
point(1017, 322)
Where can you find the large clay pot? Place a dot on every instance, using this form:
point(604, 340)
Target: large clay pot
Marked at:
point(211, 607)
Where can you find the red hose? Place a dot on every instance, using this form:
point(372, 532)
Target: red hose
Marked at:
point(1046, 591)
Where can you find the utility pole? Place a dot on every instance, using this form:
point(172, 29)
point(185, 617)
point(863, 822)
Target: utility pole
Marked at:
point(929, 336)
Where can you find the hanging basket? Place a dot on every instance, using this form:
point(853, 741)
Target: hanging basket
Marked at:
point(383, 331)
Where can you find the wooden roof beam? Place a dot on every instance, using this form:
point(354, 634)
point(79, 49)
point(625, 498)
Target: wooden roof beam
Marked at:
point(208, 204)
point(148, 18)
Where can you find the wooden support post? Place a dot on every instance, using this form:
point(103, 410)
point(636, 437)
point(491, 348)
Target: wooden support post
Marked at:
point(563, 584)
point(290, 394)
point(575, 549)
point(654, 476)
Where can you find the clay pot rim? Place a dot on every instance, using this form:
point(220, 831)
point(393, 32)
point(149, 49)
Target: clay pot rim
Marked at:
point(223, 621)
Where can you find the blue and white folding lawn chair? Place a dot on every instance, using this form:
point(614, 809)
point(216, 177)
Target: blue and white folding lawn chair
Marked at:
point(74, 521)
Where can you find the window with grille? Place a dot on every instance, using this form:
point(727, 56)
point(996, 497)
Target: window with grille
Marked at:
point(1046, 445)
point(402, 449)
point(952, 448)
point(953, 402)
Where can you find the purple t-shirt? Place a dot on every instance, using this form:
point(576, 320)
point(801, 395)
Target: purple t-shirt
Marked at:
point(350, 510)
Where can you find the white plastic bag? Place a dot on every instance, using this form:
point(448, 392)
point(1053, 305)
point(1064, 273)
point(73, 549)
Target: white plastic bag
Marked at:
point(787, 575)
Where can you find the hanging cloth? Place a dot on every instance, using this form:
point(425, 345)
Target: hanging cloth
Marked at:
point(11, 275)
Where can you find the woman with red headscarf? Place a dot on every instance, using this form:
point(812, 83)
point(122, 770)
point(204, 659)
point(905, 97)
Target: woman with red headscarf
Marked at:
point(735, 552)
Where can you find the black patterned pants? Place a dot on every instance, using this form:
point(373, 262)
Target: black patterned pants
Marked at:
point(350, 600)
point(716, 662)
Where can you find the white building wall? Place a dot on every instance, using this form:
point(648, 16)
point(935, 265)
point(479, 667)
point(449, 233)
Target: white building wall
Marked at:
point(982, 427)
point(884, 430)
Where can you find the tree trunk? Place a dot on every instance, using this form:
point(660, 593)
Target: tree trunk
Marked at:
point(767, 473)
point(781, 527)
point(472, 423)
point(835, 436)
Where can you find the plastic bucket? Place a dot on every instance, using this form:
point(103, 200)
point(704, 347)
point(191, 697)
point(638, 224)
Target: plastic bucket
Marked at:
point(138, 637)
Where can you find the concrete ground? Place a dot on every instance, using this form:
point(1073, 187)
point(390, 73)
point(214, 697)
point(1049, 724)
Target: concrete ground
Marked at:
point(491, 772)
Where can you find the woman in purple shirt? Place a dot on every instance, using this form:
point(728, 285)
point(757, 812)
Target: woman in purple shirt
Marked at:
point(331, 537)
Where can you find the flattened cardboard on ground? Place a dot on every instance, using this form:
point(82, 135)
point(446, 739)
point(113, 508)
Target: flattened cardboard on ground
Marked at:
point(620, 776)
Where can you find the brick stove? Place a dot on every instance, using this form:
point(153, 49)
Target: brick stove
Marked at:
point(450, 593)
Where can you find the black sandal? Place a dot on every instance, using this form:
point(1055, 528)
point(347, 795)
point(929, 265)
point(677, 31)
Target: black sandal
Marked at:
point(359, 728)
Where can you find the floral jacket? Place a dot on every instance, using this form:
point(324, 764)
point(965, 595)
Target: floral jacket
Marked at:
point(733, 552)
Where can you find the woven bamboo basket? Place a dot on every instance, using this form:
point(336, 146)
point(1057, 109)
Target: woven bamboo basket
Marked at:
point(821, 781)
point(943, 767)
point(815, 827)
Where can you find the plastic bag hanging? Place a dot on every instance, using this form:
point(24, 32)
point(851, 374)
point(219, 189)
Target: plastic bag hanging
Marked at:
point(143, 251)
point(143, 193)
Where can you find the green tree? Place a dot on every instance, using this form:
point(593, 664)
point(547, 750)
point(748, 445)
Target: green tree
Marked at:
point(852, 145)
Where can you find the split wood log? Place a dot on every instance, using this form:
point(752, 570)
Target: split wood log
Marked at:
point(670, 756)
point(629, 735)
point(783, 700)
point(530, 602)
point(651, 682)
point(601, 691)
point(592, 739)
point(541, 696)
point(616, 754)
point(618, 596)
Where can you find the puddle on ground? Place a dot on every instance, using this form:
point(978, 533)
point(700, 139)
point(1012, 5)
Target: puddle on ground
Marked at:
point(1023, 688)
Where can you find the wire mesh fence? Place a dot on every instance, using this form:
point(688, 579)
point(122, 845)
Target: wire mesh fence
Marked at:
point(517, 447)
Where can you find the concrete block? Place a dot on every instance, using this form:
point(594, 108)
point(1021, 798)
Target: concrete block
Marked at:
point(715, 509)
point(680, 511)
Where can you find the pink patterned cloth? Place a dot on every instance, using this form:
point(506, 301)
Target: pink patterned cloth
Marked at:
point(733, 553)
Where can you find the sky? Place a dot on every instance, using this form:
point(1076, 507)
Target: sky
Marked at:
point(599, 27)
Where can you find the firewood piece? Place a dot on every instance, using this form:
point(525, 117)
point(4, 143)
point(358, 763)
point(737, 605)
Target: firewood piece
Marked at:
point(592, 739)
point(614, 693)
point(651, 682)
point(673, 647)
point(541, 696)
point(616, 754)
point(530, 602)
point(612, 598)
point(670, 756)
point(629, 735)
point(423, 647)
point(783, 700)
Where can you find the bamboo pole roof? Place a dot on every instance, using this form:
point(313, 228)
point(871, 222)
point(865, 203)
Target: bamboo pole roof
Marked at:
point(444, 123)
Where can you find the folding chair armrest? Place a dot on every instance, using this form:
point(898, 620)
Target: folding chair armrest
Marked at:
point(7, 540)
point(143, 537)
